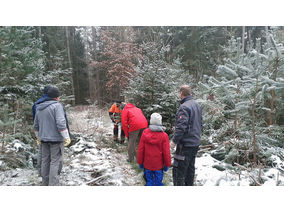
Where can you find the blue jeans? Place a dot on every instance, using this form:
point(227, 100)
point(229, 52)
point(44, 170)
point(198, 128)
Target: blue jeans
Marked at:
point(154, 178)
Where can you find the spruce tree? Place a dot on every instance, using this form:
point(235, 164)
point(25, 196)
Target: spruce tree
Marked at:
point(153, 87)
point(244, 84)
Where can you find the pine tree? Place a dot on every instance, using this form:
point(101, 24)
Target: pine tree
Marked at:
point(21, 58)
point(244, 86)
point(153, 87)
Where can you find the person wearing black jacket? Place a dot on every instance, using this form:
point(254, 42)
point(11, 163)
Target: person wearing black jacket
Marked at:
point(186, 138)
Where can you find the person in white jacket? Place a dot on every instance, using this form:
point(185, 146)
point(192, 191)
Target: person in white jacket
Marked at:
point(51, 130)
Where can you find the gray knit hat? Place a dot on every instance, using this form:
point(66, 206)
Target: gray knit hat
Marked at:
point(156, 119)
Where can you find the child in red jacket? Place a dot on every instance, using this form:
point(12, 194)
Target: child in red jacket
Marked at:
point(154, 151)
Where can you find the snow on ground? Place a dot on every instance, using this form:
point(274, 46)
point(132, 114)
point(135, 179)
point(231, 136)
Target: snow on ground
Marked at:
point(208, 175)
point(87, 164)
point(95, 160)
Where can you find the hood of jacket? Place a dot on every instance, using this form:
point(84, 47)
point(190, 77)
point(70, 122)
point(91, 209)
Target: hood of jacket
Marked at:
point(129, 105)
point(157, 128)
point(45, 104)
point(153, 137)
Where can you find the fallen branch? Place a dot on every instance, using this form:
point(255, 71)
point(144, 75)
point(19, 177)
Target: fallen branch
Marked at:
point(204, 150)
point(242, 167)
point(207, 146)
point(96, 179)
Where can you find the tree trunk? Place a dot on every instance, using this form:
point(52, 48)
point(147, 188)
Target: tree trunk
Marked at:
point(97, 71)
point(236, 102)
point(16, 116)
point(272, 112)
point(255, 148)
point(70, 62)
point(243, 38)
point(39, 32)
point(3, 139)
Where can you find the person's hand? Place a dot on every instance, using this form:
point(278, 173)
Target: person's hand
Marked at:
point(141, 166)
point(172, 145)
point(67, 141)
point(165, 168)
point(38, 141)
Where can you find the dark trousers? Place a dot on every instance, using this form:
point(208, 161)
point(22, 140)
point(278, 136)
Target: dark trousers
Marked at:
point(183, 166)
point(115, 132)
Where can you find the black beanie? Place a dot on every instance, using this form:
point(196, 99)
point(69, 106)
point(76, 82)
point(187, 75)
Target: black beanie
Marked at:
point(46, 88)
point(53, 92)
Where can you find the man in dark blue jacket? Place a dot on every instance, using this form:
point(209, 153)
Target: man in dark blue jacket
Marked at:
point(42, 99)
point(188, 127)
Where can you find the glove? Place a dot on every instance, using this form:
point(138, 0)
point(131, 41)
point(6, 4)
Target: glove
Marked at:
point(38, 141)
point(67, 141)
point(165, 168)
point(141, 166)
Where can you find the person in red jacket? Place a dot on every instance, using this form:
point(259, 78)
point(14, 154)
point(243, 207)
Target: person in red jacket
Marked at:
point(154, 151)
point(133, 123)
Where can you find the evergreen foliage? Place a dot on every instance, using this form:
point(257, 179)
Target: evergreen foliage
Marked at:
point(21, 57)
point(244, 86)
point(154, 86)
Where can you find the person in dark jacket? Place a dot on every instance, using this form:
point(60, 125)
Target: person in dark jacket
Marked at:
point(42, 99)
point(133, 123)
point(154, 151)
point(51, 130)
point(188, 127)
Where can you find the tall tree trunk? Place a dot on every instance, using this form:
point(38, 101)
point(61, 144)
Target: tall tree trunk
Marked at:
point(39, 32)
point(236, 102)
point(97, 71)
point(272, 111)
point(3, 138)
point(16, 116)
point(255, 148)
point(243, 38)
point(70, 62)
point(0, 49)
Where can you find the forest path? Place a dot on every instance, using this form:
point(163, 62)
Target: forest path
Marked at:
point(94, 159)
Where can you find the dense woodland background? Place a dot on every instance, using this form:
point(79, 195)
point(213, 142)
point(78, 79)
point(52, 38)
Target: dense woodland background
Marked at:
point(236, 74)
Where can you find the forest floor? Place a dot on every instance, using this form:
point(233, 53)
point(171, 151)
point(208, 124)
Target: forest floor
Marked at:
point(95, 160)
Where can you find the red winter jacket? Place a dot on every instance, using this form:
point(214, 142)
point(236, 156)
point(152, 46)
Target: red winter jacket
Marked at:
point(154, 150)
point(132, 119)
